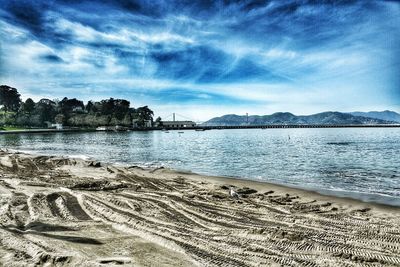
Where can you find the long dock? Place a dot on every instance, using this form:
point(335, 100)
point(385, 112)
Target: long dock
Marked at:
point(282, 126)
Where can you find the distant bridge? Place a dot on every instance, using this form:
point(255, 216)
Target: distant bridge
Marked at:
point(177, 117)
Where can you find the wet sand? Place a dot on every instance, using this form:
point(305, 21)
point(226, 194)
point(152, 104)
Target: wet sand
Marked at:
point(70, 212)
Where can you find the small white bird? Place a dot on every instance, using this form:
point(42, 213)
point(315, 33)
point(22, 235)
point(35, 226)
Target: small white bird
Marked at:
point(233, 193)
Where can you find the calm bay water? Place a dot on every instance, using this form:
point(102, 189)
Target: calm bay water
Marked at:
point(360, 163)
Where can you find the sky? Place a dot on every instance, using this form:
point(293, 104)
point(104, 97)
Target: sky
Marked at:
point(206, 58)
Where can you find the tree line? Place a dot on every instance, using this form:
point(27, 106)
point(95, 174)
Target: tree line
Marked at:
point(68, 111)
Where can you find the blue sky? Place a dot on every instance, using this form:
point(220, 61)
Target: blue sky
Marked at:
point(206, 58)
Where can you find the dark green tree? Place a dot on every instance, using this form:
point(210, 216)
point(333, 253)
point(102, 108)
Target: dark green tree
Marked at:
point(159, 121)
point(46, 109)
point(9, 98)
point(144, 114)
point(28, 106)
point(90, 107)
point(67, 106)
point(107, 106)
point(121, 108)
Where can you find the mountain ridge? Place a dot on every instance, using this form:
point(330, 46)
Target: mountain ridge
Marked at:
point(387, 115)
point(323, 118)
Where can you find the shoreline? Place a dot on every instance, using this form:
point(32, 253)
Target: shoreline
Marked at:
point(319, 193)
point(281, 188)
point(35, 131)
point(326, 194)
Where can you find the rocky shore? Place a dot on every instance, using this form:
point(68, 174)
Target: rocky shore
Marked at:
point(71, 212)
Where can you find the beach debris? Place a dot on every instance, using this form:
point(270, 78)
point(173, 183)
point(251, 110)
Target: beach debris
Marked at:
point(135, 167)
point(116, 261)
point(137, 187)
point(179, 180)
point(269, 192)
point(157, 169)
point(363, 210)
point(99, 185)
point(246, 191)
point(226, 186)
point(189, 195)
point(217, 195)
point(95, 164)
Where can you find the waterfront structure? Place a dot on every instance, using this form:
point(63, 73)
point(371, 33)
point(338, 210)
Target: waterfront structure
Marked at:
point(178, 124)
point(147, 124)
point(58, 126)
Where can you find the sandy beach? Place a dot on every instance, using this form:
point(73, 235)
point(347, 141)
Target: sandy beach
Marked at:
point(72, 212)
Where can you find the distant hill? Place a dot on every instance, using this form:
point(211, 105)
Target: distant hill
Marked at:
point(325, 118)
point(382, 115)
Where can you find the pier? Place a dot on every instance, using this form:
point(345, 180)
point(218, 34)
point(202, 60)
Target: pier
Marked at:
point(189, 124)
point(283, 126)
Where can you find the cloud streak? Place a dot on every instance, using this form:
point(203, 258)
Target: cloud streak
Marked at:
point(261, 54)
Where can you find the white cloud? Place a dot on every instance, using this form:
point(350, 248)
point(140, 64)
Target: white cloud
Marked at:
point(124, 36)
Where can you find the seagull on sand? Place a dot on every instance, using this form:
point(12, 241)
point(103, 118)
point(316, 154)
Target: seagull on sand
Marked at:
point(233, 193)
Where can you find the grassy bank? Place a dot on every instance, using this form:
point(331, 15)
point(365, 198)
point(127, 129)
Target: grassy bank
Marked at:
point(12, 128)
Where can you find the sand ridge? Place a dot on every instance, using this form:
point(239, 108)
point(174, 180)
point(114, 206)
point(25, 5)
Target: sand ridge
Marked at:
point(58, 211)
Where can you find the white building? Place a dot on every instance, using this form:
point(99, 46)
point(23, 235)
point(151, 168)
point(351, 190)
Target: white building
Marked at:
point(58, 126)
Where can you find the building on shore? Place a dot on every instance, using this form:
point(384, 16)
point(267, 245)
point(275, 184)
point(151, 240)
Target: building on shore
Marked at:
point(147, 124)
point(178, 124)
point(57, 126)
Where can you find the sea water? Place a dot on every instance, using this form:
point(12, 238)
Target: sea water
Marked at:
point(362, 163)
